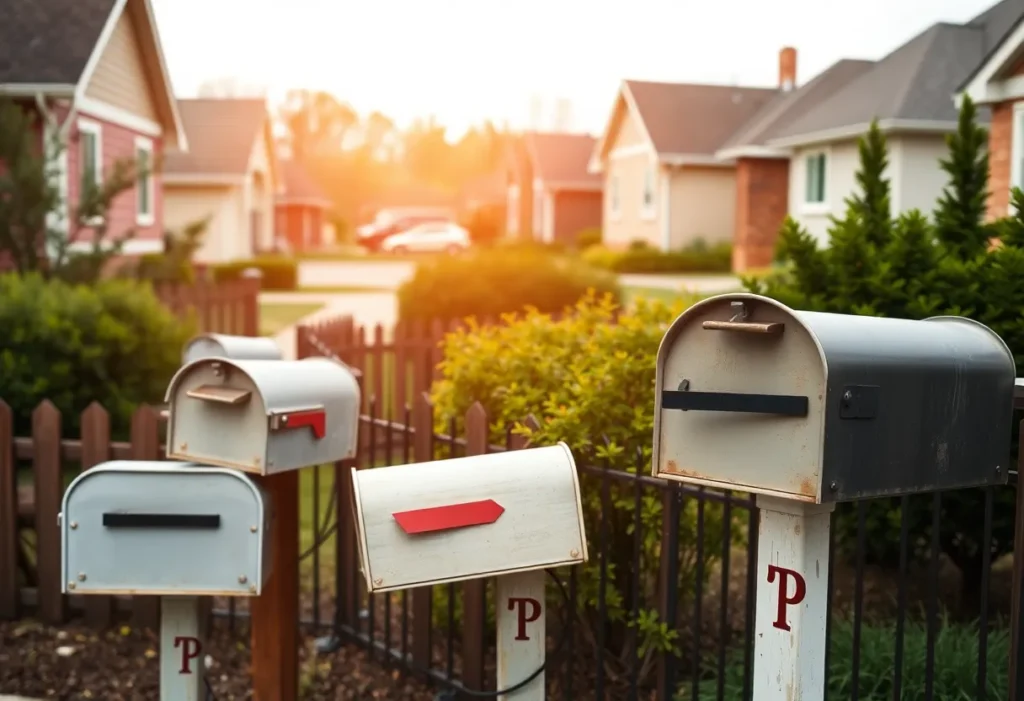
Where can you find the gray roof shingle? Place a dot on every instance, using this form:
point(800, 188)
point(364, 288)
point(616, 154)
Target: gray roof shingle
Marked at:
point(694, 119)
point(774, 117)
point(49, 41)
point(561, 158)
point(221, 134)
point(998, 23)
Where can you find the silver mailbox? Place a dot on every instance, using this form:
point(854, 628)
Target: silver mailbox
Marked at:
point(263, 416)
point(164, 528)
point(817, 407)
point(218, 345)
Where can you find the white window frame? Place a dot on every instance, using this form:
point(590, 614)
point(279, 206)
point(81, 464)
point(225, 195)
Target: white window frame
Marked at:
point(95, 129)
point(614, 196)
point(811, 207)
point(649, 210)
point(145, 218)
point(1017, 148)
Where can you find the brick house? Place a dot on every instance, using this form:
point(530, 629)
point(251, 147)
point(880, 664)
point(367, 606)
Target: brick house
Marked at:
point(551, 196)
point(998, 83)
point(300, 210)
point(95, 72)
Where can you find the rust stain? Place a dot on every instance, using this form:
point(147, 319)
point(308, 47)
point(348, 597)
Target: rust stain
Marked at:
point(671, 467)
point(806, 488)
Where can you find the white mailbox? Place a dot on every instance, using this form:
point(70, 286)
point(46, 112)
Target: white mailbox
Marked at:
point(263, 416)
point(218, 345)
point(164, 528)
point(468, 518)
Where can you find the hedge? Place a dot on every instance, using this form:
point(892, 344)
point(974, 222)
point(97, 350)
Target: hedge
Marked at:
point(278, 272)
point(641, 258)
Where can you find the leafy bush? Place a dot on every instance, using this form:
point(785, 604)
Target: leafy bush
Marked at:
point(278, 272)
point(955, 676)
point(113, 343)
point(910, 267)
point(589, 381)
point(642, 258)
point(491, 282)
point(588, 238)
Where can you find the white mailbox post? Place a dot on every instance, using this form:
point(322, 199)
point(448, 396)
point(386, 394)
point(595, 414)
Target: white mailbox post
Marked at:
point(807, 409)
point(177, 530)
point(263, 416)
point(506, 515)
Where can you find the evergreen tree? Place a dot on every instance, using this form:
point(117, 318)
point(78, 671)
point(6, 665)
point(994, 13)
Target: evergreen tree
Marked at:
point(960, 213)
point(871, 204)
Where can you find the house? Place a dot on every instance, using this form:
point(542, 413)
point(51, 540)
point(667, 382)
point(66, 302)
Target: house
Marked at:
point(300, 208)
point(95, 72)
point(997, 82)
point(663, 184)
point(552, 196)
point(763, 172)
point(228, 177)
point(909, 93)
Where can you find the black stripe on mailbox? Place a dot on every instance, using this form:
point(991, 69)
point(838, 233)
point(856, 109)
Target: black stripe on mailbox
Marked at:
point(123, 520)
point(779, 404)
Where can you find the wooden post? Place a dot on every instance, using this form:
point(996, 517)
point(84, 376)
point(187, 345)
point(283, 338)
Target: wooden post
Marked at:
point(275, 613)
point(10, 597)
point(49, 488)
point(792, 599)
point(181, 649)
point(522, 634)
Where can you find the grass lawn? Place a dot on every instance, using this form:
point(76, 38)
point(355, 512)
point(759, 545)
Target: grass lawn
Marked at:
point(275, 316)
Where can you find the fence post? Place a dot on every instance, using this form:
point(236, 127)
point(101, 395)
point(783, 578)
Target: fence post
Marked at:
point(251, 317)
point(49, 488)
point(422, 597)
point(474, 592)
point(668, 605)
point(10, 597)
point(145, 437)
point(95, 450)
point(1017, 587)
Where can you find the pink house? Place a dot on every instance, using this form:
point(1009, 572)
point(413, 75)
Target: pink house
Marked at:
point(95, 72)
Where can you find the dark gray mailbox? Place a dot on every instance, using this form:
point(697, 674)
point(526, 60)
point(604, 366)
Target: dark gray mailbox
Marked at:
point(753, 395)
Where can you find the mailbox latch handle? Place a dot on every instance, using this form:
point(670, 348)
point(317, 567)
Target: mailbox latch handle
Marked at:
point(118, 519)
point(774, 328)
point(778, 404)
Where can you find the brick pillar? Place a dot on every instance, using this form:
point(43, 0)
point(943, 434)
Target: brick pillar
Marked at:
point(1000, 150)
point(762, 202)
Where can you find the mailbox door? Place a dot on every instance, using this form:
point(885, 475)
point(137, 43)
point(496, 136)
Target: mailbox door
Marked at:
point(174, 531)
point(754, 396)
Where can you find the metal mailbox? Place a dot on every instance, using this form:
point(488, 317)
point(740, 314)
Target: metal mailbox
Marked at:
point(468, 518)
point(164, 528)
point(819, 407)
point(217, 345)
point(263, 416)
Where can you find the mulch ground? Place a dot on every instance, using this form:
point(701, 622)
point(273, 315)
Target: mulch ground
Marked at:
point(75, 662)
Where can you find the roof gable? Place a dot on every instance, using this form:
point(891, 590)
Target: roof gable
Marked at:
point(222, 134)
point(1004, 50)
point(560, 159)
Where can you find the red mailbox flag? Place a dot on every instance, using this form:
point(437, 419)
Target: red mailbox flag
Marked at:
point(446, 518)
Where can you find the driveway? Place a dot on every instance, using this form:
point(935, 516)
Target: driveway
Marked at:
point(389, 275)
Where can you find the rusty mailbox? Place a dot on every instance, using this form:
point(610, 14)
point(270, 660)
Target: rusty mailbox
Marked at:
point(218, 345)
point(263, 416)
point(817, 407)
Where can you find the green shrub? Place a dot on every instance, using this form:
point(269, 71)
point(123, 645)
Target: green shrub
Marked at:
point(642, 258)
point(113, 343)
point(956, 665)
point(588, 237)
point(491, 282)
point(911, 267)
point(278, 272)
point(589, 381)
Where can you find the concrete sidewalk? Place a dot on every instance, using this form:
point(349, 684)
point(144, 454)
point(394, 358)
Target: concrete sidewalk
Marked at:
point(367, 308)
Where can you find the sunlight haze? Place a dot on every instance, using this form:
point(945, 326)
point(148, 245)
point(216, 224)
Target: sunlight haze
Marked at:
point(465, 61)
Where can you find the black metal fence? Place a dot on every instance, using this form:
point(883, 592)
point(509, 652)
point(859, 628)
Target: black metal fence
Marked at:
point(923, 591)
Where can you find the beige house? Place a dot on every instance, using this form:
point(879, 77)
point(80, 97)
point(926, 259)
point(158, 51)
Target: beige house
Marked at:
point(662, 182)
point(229, 177)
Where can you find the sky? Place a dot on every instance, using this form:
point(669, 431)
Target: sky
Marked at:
point(464, 61)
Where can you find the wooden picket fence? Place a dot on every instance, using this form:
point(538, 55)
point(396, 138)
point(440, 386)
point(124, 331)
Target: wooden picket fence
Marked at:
point(230, 307)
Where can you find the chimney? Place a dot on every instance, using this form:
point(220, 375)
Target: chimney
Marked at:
point(787, 68)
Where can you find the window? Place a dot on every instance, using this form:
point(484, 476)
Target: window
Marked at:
point(90, 161)
point(815, 174)
point(647, 210)
point(144, 190)
point(613, 199)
